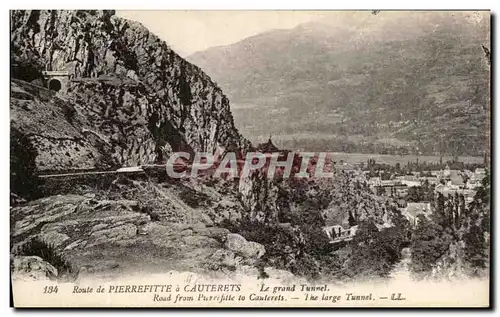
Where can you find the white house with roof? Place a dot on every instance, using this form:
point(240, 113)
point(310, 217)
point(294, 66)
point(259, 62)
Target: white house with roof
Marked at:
point(337, 233)
point(480, 171)
point(456, 179)
point(413, 210)
point(446, 172)
point(375, 181)
point(432, 180)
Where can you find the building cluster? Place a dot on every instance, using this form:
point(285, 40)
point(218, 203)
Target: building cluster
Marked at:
point(447, 182)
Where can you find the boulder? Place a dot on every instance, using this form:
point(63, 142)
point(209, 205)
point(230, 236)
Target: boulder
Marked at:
point(223, 258)
point(54, 238)
point(32, 268)
point(45, 210)
point(241, 246)
point(219, 234)
point(114, 234)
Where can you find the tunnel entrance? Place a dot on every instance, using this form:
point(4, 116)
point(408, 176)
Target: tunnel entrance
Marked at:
point(54, 85)
point(56, 81)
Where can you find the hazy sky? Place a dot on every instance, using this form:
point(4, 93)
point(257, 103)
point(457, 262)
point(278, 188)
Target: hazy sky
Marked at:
point(190, 31)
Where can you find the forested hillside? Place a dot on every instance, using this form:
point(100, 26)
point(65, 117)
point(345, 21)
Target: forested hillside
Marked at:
point(392, 83)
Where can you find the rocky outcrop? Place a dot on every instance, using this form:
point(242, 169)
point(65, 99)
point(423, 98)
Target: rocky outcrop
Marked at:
point(32, 268)
point(237, 254)
point(53, 128)
point(71, 221)
point(107, 233)
point(130, 96)
point(241, 246)
point(259, 197)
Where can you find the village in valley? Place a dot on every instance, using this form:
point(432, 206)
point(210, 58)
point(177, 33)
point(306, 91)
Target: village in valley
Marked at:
point(414, 192)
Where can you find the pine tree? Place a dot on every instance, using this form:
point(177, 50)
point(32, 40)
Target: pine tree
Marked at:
point(373, 252)
point(475, 248)
point(429, 243)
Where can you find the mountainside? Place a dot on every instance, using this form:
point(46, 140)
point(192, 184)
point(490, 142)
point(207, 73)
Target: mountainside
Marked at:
point(395, 82)
point(129, 101)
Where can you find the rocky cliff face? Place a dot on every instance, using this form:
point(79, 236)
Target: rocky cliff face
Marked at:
point(131, 99)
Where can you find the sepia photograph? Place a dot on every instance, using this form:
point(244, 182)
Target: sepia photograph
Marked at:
point(293, 158)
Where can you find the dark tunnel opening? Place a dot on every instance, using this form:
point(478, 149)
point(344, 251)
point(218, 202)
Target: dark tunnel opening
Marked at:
point(54, 85)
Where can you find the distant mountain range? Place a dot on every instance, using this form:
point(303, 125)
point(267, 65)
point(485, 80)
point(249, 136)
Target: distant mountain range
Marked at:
point(394, 82)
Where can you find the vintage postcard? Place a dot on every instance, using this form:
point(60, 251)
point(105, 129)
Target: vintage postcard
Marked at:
point(250, 158)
